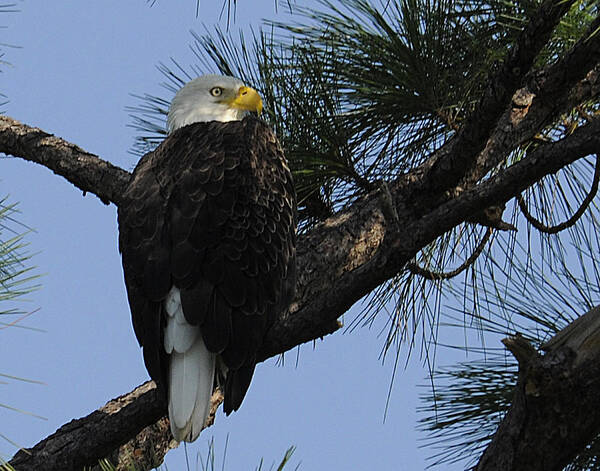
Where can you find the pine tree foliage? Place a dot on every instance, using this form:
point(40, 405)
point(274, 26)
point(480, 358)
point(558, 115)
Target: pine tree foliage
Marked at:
point(16, 277)
point(361, 92)
point(529, 296)
point(469, 402)
point(16, 280)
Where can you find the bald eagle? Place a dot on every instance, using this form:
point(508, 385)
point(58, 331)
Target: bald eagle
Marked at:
point(207, 237)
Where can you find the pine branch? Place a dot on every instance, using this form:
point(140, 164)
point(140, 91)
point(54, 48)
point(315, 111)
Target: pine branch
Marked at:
point(460, 155)
point(339, 261)
point(527, 113)
point(546, 160)
point(84, 170)
point(431, 275)
point(543, 99)
point(545, 428)
point(84, 441)
point(417, 232)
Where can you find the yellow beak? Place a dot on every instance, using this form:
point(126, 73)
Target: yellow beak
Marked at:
point(247, 99)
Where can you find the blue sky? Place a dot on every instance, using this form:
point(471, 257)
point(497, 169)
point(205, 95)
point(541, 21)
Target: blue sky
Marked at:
point(72, 75)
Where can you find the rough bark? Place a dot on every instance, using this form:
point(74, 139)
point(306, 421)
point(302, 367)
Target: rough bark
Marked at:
point(545, 424)
point(348, 255)
point(339, 261)
point(86, 171)
point(84, 441)
point(456, 159)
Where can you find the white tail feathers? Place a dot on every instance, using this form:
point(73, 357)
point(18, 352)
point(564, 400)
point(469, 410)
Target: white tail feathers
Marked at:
point(191, 372)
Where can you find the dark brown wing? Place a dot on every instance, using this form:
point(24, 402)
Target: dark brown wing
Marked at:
point(211, 211)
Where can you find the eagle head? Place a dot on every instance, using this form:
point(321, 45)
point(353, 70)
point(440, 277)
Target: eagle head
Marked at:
point(212, 98)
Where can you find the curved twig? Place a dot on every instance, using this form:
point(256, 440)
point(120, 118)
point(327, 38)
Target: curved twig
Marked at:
point(415, 269)
point(540, 226)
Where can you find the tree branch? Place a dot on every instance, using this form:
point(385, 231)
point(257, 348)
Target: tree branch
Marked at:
point(432, 275)
point(86, 171)
point(527, 113)
point(348, 255)
point(84, 441)
point(339, 261)
point(455, 159)
point(545, 429)
point(546, 160)
point(549, 92)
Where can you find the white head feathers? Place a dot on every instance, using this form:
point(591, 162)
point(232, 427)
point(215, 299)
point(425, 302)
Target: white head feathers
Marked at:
point(212, 98)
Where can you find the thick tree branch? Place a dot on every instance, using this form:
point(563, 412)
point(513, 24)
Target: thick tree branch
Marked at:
point(455, 159)
point(86, 171)
point(546, 160)
point(84, 441)
point(549, 92)
point(545, 428)
point(527, 114)
point(571, 68)
point(354, 251)
point(339, 261)
point(356, 280)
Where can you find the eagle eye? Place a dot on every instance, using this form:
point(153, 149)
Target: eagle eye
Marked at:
point(216, 91)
